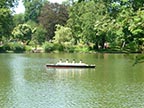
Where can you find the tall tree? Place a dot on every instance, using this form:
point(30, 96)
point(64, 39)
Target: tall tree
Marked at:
point(32, 9)
point(52, 14)
point(39, 33)
point(6, 17)
point(82, 19)
point(5, 22)
point(137, 29)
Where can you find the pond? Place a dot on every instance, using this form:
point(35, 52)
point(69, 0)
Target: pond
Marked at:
point(25, 82)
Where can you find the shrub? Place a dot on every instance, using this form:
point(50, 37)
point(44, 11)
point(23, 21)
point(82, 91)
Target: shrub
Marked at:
point(69, 48)
point(28, 48)
point(2, 49)
point(48, 47)
point(17, 47)
point(7, 46)
point(82, 48)
point(58, 47)
point(132, 47)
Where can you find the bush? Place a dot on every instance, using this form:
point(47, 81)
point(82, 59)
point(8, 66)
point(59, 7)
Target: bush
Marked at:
point(132, 47)
point(2, 49)
point(28, 48)
point(17, 47)
point(82, 48)
point(48, 47)
point(70, 49)
point(7, 46)
point(58, 47)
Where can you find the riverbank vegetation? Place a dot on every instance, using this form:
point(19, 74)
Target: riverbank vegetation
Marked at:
point(73, 26)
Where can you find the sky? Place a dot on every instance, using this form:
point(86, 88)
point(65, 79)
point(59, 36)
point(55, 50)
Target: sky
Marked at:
point(21, 9)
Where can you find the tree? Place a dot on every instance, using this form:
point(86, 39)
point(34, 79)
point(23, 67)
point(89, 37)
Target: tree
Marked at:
point(32, 9)
point(52, 14)
point(5, 22)
point(82, 19)
point(136, 4)
point(104, 29)
point(23, 33)
point(39, 36)
point(62, 35)
point(18, 19)
point(8, 3)
point(137, 29)
point(6, 17)
point(63, 40)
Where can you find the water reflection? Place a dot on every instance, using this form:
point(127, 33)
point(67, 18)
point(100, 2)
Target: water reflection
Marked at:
point(5, 79)
point(17, 93)
point(66, 72)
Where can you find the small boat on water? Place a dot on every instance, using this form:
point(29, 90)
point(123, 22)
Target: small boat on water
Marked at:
point(66, 64)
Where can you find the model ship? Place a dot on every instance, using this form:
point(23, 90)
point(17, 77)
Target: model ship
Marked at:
point(72, 64)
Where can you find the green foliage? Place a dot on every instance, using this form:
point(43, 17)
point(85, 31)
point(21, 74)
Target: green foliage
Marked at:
point(32, 9)
point(58, 47)
point(131, 26)
point(82, 19)
point(5, 22)
point(17, 47)
point(12, 46)
point(22, 32)
point(48, 47)
point(62, 34)
point(132, 47)
point(51, 47)
point(69, 49)
point(82, 48)
point(28, 48)
point(18, 19)
point(39, 36)
point(2, 50)
point(7, 46)
point(137, 24)
point(51, 15)
point(38, 33)
point(8, 3)
point(99, 22)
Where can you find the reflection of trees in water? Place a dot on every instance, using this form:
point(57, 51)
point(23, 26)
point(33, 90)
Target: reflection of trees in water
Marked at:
point(5, 85)
point(58, 73)
point(69, 72)
point(5, 80)
point(139, 59)
point(53, 74)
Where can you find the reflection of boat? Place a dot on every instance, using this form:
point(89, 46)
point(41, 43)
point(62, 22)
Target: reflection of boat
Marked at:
point(69, 65)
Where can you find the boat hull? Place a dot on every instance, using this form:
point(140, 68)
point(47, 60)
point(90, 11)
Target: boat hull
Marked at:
point(69, 66)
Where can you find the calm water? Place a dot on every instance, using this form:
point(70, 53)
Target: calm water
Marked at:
point(25, 82)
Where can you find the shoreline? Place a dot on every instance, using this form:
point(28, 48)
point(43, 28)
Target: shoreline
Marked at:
point(88, 52)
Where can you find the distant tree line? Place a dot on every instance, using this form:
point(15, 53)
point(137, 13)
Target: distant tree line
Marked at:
point(73, 26)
